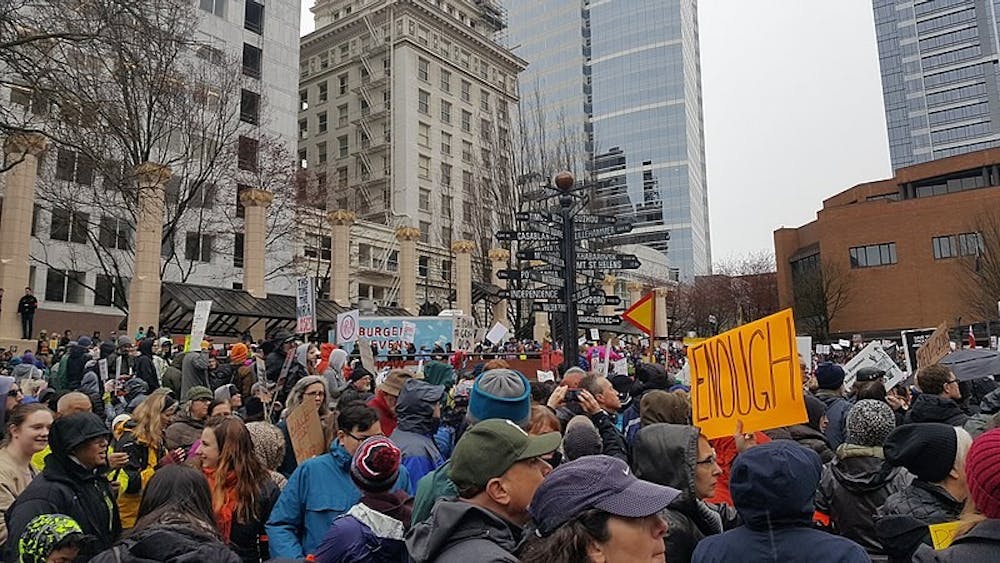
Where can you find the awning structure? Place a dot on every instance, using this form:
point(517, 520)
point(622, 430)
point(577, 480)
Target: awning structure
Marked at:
point(235, 311)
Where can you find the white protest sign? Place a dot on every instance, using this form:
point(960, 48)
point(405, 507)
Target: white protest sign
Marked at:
point(497, 333)
point(347, 326)
point(102, 366)
point(620, 367)
point(804, 344)
point(543, 376)
point(463, 332)
point(409, 332)
point(305, 306)
point(844, 343)
point(873, 355)
point(199, 322)
point(367, 356)
point(595, 334)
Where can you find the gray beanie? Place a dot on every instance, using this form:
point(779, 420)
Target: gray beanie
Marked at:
point(581, 438)
point(869, 423)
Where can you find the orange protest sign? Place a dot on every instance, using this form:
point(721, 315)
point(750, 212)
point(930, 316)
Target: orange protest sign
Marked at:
point(306, 432)
point(934, 348)
point(750, 373)
point(640, 314)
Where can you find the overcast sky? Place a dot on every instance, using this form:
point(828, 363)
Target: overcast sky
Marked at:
point(793, 112)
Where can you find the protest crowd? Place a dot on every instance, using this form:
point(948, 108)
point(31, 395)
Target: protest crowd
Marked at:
point(132, 450)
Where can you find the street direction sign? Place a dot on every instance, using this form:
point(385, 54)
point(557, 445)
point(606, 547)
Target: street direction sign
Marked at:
point(539, 293)
point(526, 236)
point(604, 265)
point(588, 255)
point(600, 300)
point(600, 320)
point(537, 217)
point(595, 219)
point(604, 231)
point(585, 292)
point(548, 307)
point(514, 274)
point(552, 258)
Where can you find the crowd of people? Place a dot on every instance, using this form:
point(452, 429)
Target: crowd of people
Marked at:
point(129, 449)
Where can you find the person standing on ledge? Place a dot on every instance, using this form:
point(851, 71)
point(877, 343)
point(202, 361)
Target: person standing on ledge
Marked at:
point(26, 308)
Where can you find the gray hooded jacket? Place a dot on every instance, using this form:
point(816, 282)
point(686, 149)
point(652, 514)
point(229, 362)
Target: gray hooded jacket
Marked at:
point(460, 532)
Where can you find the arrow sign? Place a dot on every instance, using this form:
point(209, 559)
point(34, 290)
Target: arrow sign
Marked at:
point(640, 314)
point(599, 320)
point(585, 292)
point(526, 236)
point(536, 217)
point(595, 219)
point(552, 258)
point(608, 264)
point(541, 293)
point(548, 307)
point(589, 255)
point(612, 300)
point(607, 230)
point(514, 274)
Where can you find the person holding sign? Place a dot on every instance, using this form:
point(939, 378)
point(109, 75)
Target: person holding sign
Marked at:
point(978, 533)
point(310, 390)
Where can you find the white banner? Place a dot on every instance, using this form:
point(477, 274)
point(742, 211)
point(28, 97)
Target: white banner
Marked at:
point(305, 306)
point(199, 322)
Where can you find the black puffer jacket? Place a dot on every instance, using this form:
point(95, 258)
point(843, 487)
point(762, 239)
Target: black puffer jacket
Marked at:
point(901, 523)
point(813, 439)
point(168, 544)
point(666, 454)
point(852, 488)
point(933, 408)
point(244, 536)
point(144, 367)
point(76, 360)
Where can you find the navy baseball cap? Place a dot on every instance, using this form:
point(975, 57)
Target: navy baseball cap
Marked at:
point(595, 481)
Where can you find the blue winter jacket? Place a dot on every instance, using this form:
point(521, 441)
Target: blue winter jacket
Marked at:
point(364, 535)
point(773, 486)
point(318, 491)
point(414, 435)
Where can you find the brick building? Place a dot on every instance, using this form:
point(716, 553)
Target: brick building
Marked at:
point(903, 246)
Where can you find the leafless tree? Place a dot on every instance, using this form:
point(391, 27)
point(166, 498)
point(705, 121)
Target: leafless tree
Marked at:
point(979, 277)
point(821, 293)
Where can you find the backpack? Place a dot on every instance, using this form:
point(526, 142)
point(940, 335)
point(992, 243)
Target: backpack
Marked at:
point(57, 377)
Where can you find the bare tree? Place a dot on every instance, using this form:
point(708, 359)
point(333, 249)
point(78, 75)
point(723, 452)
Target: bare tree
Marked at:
point(821, 293)
point(979, 277)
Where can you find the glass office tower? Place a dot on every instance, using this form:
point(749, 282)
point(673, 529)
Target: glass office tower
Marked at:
point(939, 77)
point(625, 76)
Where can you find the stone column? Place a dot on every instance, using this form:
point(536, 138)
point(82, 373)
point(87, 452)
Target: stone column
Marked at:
point(255, 203)
point(608, 286)
point(340, 273)
point(15, 230)
point(634, 292)
point(500, 259)
point(660, 312)
point(408, 237)
point(463, 274)
point(144, 289)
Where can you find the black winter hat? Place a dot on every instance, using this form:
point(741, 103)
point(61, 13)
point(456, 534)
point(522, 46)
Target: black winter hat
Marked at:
point(69, 432)
point(829, 376)
point(926, 449)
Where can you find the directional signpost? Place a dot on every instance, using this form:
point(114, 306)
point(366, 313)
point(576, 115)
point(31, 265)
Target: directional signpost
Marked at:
point(550, 236)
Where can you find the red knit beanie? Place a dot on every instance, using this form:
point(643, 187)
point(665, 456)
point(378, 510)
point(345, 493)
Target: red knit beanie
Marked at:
point(982, 472)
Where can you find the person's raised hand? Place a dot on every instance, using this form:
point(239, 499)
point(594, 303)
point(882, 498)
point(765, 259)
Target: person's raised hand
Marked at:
point(557, 398)
point(744, 440)
point(117, 460)
point(588, 403)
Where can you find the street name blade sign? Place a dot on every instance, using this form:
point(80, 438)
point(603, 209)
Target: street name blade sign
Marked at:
point(598, 320)
point(526, 236)
point(640, 314)
point(542, 293)
point(549, 307)
point(551, 258)
point(595, 219)
point(604, 231)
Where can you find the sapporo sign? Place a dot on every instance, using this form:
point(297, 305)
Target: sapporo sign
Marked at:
point(749, 374)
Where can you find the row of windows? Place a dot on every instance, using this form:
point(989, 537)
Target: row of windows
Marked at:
point(956, 94)
point(961, 132)
point(945, 39)
point(253, 14)
point(952, 57)
point(947, 77)
point(952, 246)
point(947, 20)
point(958, 114)
point(873, 255)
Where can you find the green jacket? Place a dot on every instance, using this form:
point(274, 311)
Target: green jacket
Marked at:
point(431, 487)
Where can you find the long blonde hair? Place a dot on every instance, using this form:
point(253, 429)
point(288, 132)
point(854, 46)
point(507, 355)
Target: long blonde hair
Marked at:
point(148, 419)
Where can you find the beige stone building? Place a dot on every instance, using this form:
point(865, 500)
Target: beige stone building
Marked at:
point(405, 120)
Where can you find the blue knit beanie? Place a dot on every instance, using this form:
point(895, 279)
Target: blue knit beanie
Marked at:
point(501, 393)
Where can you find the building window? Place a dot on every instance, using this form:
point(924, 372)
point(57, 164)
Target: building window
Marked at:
point(322, 121)
point(74, 167)
point(318, 247)
point(467, 211)
point(445, 81)
point(342, 84)
point(342, 115)
point(321, 153)
point(485, 128)
point(253, 17)
point(466, 151)
point(114, 233)
point(445, 143)
point(392, 264)
point(303, 100)
point(110, 291)
point(467, 182)
point(446, 175)
point(241, 212)
point(485, 153)
point(952, 246)
point(446, 266)
point(342, 146)
point(423, 265)
point(251, 60)
point(217, 7)
point(466, 91)
point(873, 255)
point(342, 179)
point(198, 247)
point(303, 129)
point(445, 112)
point(424, 134)
point(484, 100)
point(446, 206)
point(423, 69)
point(247, 154)
point(466, 121)
point(250, 106)
point(424, 166)
point(423, 102)
point(425, 232)
point(64, 286)
point(70, 226)
point(238, 250)
point(425, 199)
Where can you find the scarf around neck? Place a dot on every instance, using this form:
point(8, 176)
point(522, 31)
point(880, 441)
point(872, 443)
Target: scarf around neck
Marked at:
point(223, 500)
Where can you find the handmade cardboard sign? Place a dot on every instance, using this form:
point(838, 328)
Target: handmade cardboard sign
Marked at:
point(934, 348)
point(944, 533)
point(750, 373)
point(306, 432)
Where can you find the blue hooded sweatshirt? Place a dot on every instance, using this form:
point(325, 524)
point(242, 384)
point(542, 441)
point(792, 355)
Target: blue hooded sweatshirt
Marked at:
point(414, 435)
point(318, 492)
point(773, 486)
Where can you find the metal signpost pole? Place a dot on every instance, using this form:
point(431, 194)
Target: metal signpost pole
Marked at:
point(564, 181)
